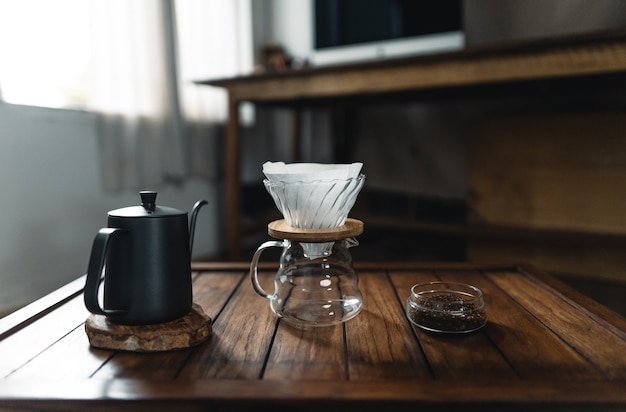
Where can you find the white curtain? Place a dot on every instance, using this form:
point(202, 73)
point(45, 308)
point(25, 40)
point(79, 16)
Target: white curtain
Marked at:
point(154, 124)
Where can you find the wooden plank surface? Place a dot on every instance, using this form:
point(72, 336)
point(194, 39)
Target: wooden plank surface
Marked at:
point(241, 338)
point(532, 351)
point(540, 347)
point(581, 330)
point(381, 343)
point(468, 357)
point(35, 339)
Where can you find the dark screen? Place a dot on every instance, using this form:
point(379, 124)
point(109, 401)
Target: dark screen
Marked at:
point(346, 22)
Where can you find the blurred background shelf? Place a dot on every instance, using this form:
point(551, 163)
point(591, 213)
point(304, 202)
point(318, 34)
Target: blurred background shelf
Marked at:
point(505, 68)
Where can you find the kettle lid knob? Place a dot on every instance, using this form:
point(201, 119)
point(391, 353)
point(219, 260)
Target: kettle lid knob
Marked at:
point(148, 199)
point(148, 209)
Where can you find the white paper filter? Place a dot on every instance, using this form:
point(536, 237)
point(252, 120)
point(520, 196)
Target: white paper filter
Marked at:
point(313, 195)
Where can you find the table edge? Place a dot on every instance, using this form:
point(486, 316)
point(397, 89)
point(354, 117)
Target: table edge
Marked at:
point(40, 307)
point(516, 47)
point(419, 391)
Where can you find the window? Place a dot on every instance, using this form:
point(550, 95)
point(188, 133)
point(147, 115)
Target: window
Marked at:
point(70, 53)
point(44, 52)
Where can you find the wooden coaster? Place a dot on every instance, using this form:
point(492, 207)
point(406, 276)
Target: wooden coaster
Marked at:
point(279, 229)
point(190, 330)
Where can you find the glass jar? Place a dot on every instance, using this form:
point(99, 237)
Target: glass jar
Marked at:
point(446, 307)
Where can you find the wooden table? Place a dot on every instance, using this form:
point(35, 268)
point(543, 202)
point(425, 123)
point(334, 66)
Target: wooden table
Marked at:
point(545, 346)
point(508, 69)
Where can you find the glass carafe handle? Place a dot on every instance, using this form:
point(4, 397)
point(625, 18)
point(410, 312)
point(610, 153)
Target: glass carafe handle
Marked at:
point(255, 261)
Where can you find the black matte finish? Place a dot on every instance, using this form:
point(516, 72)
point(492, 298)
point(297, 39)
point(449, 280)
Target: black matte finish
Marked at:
point(145, 260)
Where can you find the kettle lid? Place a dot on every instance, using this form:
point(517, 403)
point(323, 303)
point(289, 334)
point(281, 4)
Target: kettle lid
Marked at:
point(148, 208)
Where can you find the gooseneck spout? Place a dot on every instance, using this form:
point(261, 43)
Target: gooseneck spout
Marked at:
point(192, 222)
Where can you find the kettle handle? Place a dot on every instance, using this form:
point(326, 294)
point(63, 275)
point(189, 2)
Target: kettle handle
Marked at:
point(94, 272)
point(255, 262)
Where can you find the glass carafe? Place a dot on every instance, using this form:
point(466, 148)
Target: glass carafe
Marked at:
point(319, 289)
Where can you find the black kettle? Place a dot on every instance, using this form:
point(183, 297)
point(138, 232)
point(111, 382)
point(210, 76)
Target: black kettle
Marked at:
point(144, 257)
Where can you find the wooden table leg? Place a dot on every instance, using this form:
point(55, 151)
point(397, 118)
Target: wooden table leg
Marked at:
point(233, 181)
point(233, 175)
point(296, 126)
